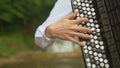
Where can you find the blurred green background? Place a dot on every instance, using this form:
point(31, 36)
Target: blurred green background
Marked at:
point(18, 22)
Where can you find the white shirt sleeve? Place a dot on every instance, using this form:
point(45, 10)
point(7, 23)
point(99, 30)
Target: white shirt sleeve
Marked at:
point(61, 9)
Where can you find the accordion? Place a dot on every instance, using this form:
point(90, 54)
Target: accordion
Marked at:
point(103, 50)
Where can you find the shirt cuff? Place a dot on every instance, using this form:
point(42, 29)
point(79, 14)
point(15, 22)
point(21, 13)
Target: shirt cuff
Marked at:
point(47, 38)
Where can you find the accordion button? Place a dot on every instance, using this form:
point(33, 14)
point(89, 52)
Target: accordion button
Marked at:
point(94, 49)
point(88, 43)
point(86, 1)
point(93, 66)
point(101, 42)
point(88, 64)
point(88, 24)
point(81, 11)
point(105, 61)
point(90, 1)
point(103, 51)
point(96, 58)
point(96, 42)
point(81, 15)
point(95, 37)
point(98, 30)
point(89, 13)
point(100, 55)
point(92, 9)
point(102, 47)
point(79, 3)
point(90, 16)
point(101, 59)
point(85, 15)
point(95, 21)
point(91, 56)
point(91, 6)
point(84, 8)
point(98, 66)
point(94, 17)
point(98, 34)
point(80, 7)
point(91, 20)
point(74, 2)
point(93, 29)
point(102, 64)
point(83, 4)
point(82, 0)
point(93, 13)
point(92, 24)
point(97, 62)
point(85, 47)
point(104, 56)
point(78, 18)
point(90, 52)
point(97, 46)
point(88, 9)
point(88, 59)
point(92, 40)
point(85, 12)
point(87, 5)
point(86, 51)
point(83, 24)
point(106, 65)
point(97, 26)
point(95, 54)
point(89, 48)
point(86, 55)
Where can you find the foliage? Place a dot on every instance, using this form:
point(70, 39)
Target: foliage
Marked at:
point(22, 9)
point(24, 12)
point(18, 21)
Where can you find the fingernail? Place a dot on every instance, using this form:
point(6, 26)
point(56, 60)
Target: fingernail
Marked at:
point(91, 36)
point(91, 30)
point(84, 43)
point(76, 10)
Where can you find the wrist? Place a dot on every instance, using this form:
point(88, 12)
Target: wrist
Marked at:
point(49, 32)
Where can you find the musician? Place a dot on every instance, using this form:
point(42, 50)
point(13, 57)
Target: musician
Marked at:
point(61, 24)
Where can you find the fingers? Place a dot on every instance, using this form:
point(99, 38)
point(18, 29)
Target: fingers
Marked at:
point(75, 41)
point(71, 16)
point(80, 29)
point(81, 35)
point(78, 21)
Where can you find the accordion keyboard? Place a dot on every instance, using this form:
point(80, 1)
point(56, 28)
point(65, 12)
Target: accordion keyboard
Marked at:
point(95, 51)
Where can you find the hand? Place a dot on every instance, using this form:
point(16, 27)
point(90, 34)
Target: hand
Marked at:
point(67, 29)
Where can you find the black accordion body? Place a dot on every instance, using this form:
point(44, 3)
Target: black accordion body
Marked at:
point(103, 50)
